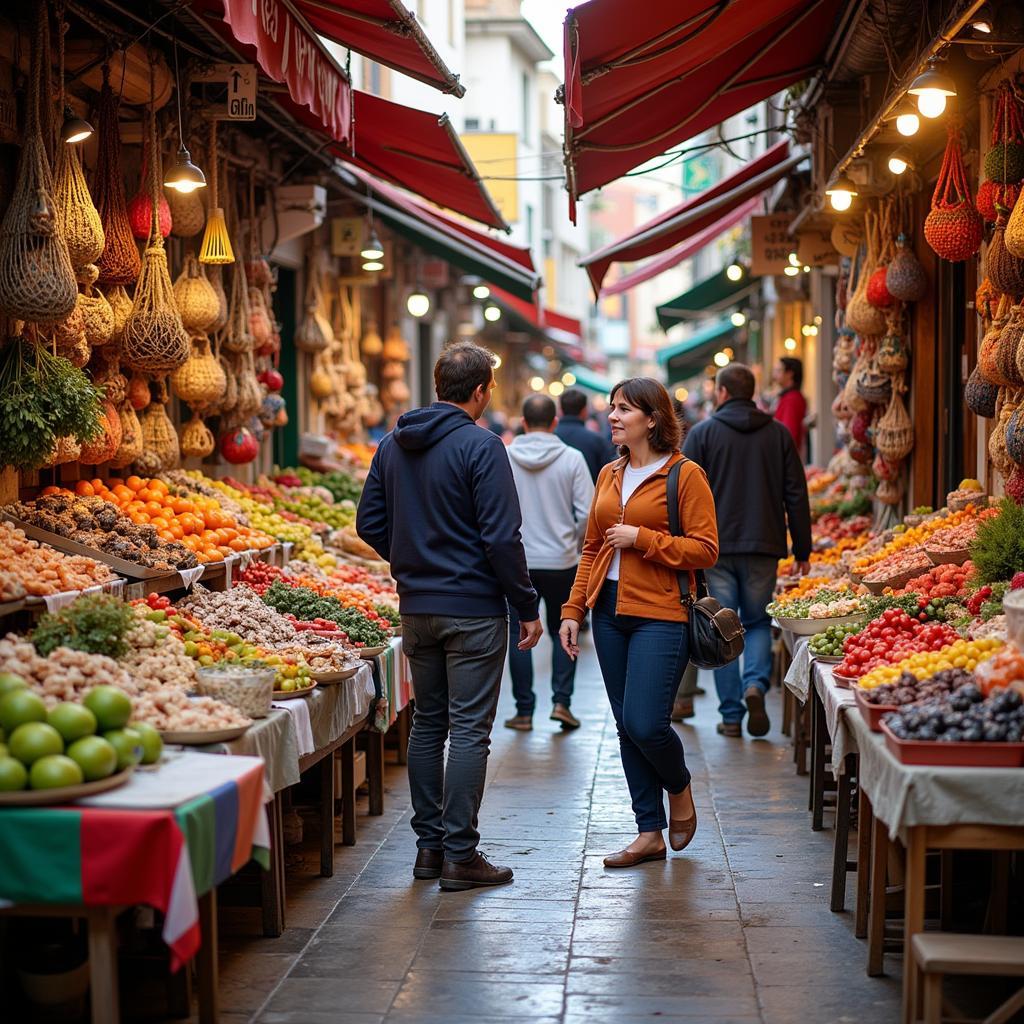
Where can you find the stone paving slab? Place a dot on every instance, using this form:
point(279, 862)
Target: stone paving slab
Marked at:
point(736, 930)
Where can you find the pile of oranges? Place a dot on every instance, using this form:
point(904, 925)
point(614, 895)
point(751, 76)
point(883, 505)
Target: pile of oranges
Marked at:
point(196, 521)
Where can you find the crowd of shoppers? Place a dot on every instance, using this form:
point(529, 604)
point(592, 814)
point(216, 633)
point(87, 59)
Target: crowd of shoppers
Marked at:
point(478, 535)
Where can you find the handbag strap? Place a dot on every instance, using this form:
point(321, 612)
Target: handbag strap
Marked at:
point(672, 497)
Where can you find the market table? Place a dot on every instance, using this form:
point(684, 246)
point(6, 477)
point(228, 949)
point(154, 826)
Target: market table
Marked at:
point(165, 839)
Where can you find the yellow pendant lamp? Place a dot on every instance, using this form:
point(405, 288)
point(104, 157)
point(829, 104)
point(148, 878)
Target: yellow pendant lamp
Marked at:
point(216, 247)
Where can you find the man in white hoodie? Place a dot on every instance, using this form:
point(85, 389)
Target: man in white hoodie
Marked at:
point(555, 492)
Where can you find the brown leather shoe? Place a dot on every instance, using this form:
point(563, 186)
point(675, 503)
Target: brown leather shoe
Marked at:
point(428, 864)
point(522, 723)
point(682, 708)
point(626, 859)
point(757, 717)
point(729, 729)
point(560, 713)
point(682, 830)
point(457, 876)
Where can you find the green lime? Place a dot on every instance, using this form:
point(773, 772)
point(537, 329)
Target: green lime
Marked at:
point(152, 744)
point(128, 744)
point(9, 681)
point(13, 775)
point(72, 721)
point(19, 706)
point(33, 740)
point(110, 705)
point(54, 772)
point(95, 756)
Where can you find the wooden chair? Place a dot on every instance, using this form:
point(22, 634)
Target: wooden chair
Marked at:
point(941, 953)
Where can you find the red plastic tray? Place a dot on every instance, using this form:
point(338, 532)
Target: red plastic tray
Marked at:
point(872, 713)
point(844, 682)
point(954, 755)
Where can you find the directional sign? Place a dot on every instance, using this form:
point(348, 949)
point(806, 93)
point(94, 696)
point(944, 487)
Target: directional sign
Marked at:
point(241, 83)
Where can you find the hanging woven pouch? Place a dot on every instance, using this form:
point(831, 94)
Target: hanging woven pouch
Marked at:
point(953, 228)
point(894, 433)
point(980, 396)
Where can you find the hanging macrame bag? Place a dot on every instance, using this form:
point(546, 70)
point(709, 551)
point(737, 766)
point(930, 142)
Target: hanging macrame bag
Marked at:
point(1011, 344)
point(986, 298)
point(237, 336)
point(893, 354)
point(159, 440)
point(954, 227)
point(1013, 237)
point(1004, 162)
point(991, 196)
point(130, 448)
point(196, 440)
point(154, 339)
point(37, 281)
point(890, 492)
point(215, 275)
point(103, 448)
point(997, 440)
point(119, 262)
point(200, 381)
point(980, 396)
point(1004, 270)
point(314, 332)
point(196, 299)
point(988, 363)
point(97, 317)
point(865, 319)
point(877, 291)
point(79, 220)
point(1015, 436)
point(905, 277)
point(140, 208)
point(894, 432)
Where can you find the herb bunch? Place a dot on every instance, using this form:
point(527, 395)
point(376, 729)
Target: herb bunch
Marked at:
point(43, 397)
point(95, 623)
point(998, 549)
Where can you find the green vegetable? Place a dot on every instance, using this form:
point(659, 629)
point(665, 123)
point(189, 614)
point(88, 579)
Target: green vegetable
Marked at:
point(42, 397)
point(998, 549)
point(96, 623)
point(385, 611)
point(306, 604)
point(341, 485)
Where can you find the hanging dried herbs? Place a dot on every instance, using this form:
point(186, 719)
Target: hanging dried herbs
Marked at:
point(43, 397)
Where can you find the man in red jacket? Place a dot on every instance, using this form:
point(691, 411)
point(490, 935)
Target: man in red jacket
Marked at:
point(791, 408)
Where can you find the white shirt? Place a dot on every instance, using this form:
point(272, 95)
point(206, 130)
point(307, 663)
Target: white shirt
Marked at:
point(631, 480)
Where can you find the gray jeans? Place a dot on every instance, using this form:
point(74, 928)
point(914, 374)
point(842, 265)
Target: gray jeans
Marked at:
point(456, 667)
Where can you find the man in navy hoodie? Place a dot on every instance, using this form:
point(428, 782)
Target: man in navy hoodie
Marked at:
point(440, 505)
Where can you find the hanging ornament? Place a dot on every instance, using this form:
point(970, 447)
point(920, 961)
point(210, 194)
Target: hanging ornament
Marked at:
point(1004, 162)
point(954, 227)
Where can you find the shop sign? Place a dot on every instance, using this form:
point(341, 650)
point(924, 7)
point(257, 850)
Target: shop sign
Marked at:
point(815, 249)
point(347, 235)
point(847, 236)
point(241, 83)
point(771, 243)
point(289, 54)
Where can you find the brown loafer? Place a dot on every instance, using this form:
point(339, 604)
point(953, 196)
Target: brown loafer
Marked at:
point(626, 859)
point(681, 832)
point(561, 714)
point(521, 723)
point(428, 864)
point(683, 708)
point(757, 717)
point(729, 729)
point(457, 876)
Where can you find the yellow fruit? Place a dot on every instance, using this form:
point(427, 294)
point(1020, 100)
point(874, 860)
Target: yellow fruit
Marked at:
point(969, 484)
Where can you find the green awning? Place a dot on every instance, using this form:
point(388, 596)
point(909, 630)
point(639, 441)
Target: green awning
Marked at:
point(697, 345)
point(590, 381)
point(711, 295)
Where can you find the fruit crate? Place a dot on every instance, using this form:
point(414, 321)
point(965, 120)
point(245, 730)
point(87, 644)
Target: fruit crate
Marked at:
point(871, 713)
point(953, 755)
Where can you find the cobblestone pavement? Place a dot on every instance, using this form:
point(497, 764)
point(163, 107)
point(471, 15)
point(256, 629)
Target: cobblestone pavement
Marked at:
point(736, 930)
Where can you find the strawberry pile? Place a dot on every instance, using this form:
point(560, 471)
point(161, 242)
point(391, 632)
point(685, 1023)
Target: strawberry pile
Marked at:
point(942, 581)
point(890, 638)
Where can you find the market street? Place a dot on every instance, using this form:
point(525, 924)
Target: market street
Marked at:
point(736, 929)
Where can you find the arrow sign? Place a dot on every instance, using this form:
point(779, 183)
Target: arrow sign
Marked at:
point(241, 83)
point(236, 77)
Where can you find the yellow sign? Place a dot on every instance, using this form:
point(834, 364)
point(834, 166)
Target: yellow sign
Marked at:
point(494, 154)
point(770, 243)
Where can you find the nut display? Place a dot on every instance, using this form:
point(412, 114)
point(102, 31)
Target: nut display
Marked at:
point(241, 611)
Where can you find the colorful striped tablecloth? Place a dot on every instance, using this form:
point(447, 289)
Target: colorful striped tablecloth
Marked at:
point(159, 840)
point(394, 678)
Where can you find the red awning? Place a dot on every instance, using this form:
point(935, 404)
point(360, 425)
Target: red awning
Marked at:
point(640, 78)
point(270, 35)
point(413, 148)
point(688, 219)
point(674, 257)
point(385, 31)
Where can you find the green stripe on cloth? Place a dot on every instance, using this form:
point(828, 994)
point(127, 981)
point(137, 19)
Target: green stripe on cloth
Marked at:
point(198, 823)
point(40, 855)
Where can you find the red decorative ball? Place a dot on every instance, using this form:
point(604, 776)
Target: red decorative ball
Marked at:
point(273, 380)
point(878, 291)
point(140, 213)
point(954, 232)
point(239, 446)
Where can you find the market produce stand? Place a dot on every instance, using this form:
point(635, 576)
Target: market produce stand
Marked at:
point(166, 839)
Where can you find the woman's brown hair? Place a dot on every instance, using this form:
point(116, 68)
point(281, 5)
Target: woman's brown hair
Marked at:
point(651, 398)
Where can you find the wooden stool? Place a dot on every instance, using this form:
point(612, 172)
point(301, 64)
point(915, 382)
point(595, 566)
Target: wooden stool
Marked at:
point(941, 953)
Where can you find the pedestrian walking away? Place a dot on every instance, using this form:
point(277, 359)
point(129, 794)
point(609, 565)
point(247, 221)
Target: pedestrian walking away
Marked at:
point(555, 491)
point(791, 406)
point(440, 505)
point(573, 430)
point(760, 494)
point(629, 575)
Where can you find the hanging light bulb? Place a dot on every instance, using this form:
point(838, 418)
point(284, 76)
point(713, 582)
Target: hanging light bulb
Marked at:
point(492, 314)
point(418, 304)
point(794, 260)
point(183, 176)
point(74, 129)
point(738, 319)
point(481, 291)
point(932, 88)
point(981, 21)
point(841, 193)
point(536, 383)
point(372, 249)
point(721, 359)
point(791, 271)
point(555, 388)
point(734, 271)
point(908, 123)
point(568, 378)
point(373, 266)
point(900, 159)
point(790, 344)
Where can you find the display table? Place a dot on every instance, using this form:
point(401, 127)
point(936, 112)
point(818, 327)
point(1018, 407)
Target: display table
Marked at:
point(165, 839)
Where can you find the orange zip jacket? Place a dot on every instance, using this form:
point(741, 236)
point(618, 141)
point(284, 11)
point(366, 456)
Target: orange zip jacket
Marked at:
point(648, 583)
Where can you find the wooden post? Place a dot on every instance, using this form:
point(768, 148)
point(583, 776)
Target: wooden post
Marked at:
point(102, 926)
point(207, 958)
point(348, 804)
point(864, 820)
point(327, 816)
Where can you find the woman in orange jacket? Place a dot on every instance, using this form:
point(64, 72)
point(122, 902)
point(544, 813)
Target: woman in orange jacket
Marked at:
point(629, 575)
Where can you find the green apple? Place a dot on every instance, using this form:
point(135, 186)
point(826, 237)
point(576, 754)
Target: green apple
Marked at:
point(287, 685)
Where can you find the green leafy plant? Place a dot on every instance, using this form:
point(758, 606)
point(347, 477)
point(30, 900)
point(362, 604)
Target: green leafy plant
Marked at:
point(95, 623)
point(42, 397)
point(306, 605)
point(385, 611)
point(998, 549)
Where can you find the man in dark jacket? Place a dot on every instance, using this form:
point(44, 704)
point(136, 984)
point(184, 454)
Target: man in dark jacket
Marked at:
point(440, 505)
point(572, 429)
point(759, 487)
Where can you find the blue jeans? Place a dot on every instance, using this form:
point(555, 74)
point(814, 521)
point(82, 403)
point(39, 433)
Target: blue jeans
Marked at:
point(553, 586)
point(745, 583)
point(641, 661)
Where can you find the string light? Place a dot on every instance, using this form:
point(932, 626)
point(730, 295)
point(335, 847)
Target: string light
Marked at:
point(734, 272)
point(372, 249)
point(492, 314)
point(790, 344)
point(497, 362)
point(568, 379)
point(536, 383)
point(184, 176)
point(738, 319)
point(555, 388)
point(418, 304)
point(721, 359)
point(932, 88)
point(481, 291)
point(373, 266)
point(842, 193)
point(682, 394)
